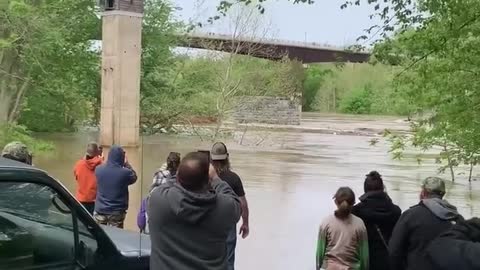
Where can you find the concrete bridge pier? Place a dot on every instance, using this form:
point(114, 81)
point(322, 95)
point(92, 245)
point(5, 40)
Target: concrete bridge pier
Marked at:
point(120, 96)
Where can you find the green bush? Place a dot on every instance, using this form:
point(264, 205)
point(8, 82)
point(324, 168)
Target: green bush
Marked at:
point(12, 132)
point(56, 111)
point(356, 89)
point(358, 101)
point(314, 78)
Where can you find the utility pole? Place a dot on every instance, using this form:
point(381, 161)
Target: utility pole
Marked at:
point(120, 109)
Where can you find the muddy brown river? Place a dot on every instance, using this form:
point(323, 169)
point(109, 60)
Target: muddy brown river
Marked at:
point(290, 178)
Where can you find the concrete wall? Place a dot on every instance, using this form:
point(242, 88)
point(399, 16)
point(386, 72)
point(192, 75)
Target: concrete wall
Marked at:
point(121, 51)
point(267, 110)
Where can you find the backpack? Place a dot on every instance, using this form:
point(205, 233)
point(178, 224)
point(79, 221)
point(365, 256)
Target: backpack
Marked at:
point(142, 217)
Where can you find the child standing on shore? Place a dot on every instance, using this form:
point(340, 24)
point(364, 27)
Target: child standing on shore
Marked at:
point(342, 238)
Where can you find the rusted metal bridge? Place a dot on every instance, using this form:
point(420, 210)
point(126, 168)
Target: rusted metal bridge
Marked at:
point(273, 49)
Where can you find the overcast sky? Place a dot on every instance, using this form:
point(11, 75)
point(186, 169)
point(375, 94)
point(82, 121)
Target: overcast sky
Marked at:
point(322, 22)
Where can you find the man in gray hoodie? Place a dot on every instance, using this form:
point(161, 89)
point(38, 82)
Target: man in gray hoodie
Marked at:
point(419, 225)
point(189, 220)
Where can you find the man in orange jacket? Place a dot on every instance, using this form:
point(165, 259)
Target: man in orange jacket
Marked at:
point(84, 172)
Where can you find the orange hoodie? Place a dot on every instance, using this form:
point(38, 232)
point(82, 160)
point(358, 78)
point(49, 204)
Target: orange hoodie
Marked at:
point(84, 172)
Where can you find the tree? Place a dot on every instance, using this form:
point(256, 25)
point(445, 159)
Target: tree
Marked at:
point(9, 133)
point(208, 84)
point(440, 64)
point(42, 59)
point(314, 78)
point(49, 72)
point(159, 106)
point(239, 74)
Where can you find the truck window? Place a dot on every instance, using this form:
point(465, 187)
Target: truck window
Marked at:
point(34, 234)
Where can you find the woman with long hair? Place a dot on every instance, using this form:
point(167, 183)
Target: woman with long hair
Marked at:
point(342, 238)
point(168, 171)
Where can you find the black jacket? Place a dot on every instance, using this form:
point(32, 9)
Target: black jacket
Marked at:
point(416, 228)
point(377, 211)
point(457, 249)
point(189, 230)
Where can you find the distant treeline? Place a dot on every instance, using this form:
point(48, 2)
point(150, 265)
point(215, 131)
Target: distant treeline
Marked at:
point(352, 88)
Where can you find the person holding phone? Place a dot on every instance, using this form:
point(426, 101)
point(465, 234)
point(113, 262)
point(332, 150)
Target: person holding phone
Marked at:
point(100, 152)
point(190, 219)
point(84, 172)
point(113, 179)
point(220, 159)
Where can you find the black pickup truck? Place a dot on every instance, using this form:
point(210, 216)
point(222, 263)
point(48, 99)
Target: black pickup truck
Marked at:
point(42, 226)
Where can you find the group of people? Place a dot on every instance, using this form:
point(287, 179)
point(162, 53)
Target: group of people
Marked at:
point(375, 235)
point(194, 205)
point(191, 210)
point(102, 187)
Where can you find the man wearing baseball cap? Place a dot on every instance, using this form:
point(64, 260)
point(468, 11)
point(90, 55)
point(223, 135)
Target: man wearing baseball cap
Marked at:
point(419, 225)
point(41, 202)
point(221, 163)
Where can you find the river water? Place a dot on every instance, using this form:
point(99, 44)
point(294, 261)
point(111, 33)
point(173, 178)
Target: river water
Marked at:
point(290, 177)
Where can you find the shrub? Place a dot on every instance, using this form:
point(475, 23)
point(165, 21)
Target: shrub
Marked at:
point(12, 132)
point(358, 101)
point(315, 77)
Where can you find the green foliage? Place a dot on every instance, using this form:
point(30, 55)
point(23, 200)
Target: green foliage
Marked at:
point(159, 108)
point(55, 112)
point(44, 61)
point(195, 86)
point(440, 64)
point(359, 101)
point(345, 88)
point(314, 78)
point(10, 132)
point(201, 88)
point(52, 81)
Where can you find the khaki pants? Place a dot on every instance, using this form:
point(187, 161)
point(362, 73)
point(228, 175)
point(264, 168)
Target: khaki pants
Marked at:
point(114, 220)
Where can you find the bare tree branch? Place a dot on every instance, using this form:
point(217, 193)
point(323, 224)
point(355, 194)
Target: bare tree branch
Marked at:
point(12, 75)
point(20, 94)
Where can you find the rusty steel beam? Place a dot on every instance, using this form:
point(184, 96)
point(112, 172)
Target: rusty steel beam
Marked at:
point(307, 54)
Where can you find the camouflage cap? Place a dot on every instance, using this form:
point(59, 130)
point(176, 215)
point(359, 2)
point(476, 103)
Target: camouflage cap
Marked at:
point(17, 151)
point(435, 185)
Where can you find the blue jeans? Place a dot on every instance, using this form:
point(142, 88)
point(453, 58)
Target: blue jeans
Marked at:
point(231, 244)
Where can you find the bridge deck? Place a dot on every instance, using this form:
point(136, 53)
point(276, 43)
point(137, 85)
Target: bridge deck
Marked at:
point(274, 49)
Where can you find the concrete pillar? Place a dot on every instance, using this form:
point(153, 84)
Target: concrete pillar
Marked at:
point(120, 109)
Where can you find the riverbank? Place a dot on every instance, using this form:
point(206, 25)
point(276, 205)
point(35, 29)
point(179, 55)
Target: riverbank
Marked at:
point(343, 124)
point(317, 123)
